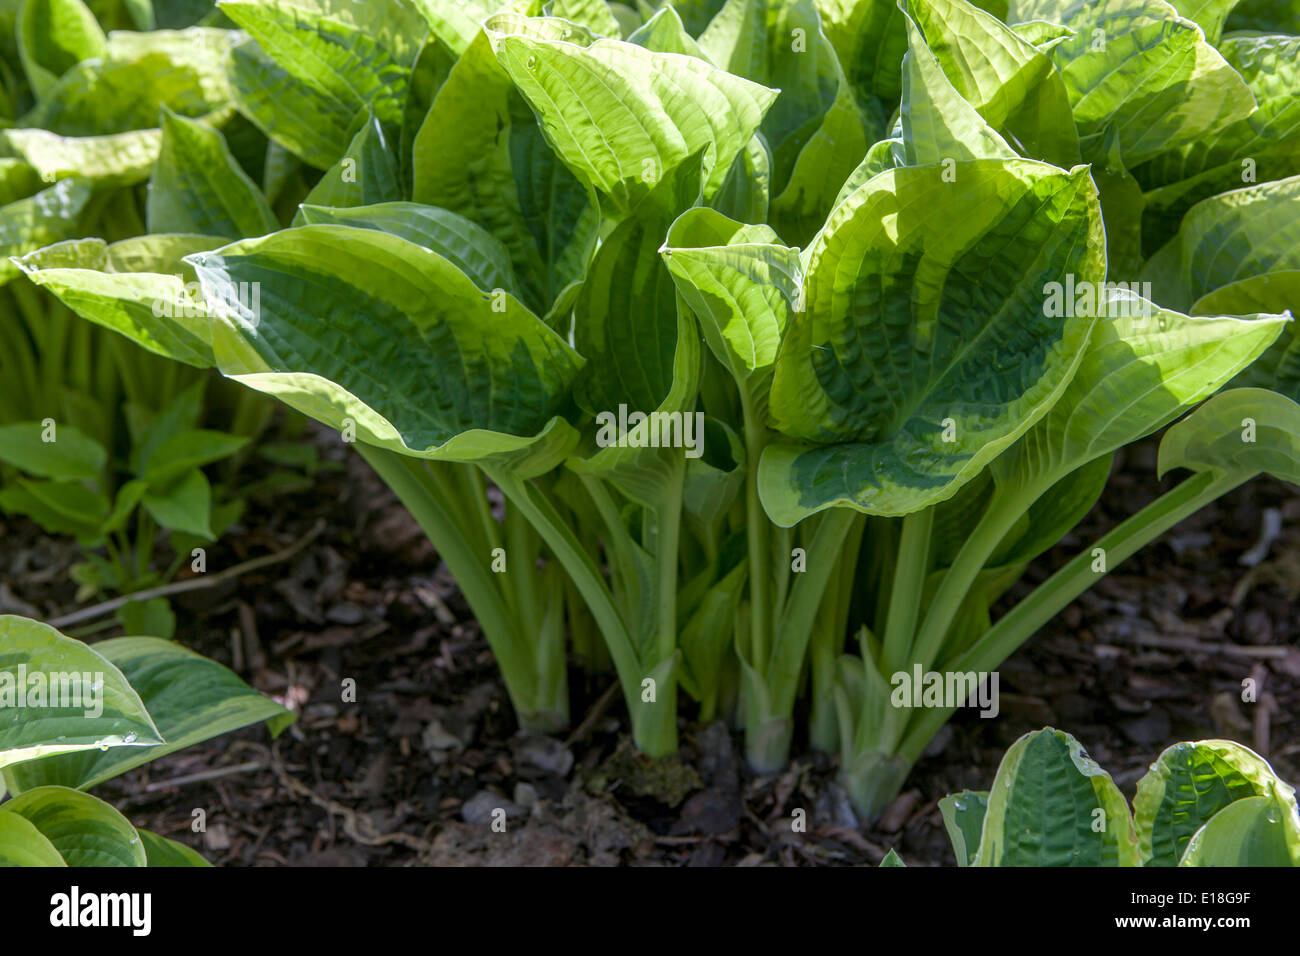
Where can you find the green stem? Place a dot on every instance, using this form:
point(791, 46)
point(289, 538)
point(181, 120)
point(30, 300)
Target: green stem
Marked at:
point(998, 518)
point(1054, 594)
point(653, 736)
point(757, 526)
point(415, 485)
point(907, 589)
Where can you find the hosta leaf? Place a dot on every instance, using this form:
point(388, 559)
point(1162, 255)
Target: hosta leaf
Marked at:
point(740, 280)
point(198, 53)
point(1267, 16)
point(1277, 292)
point(55, 35)
point(626, 316)
point(914, 317)
point(39, 220)
point(622, 116)
point(137, 287)
point(119, 159)
point(938, 124)
point(365, 175)
point(1013, 85)
point(1244, 233)
point(103, 97)
point(1187, 785)
point(592, 14)
point(1142, 367)
point(736, 39)
point(1243, 431)
point(21, 844)
point(85, 830)
point(350, 56)
point(315, 128)
point(472, 249)
point(481, 154)
point(160, 851)
point(457, 24)
point(963, 818)
point(1051, 805)
point(664, 33)
point(1255, 831)
point(1264, 146)
point(869, 37)
point(190, 697)
point(17, 180)
point(198, 188)
point(745, 194)
point(815, 128)
point(1138, 67)
point(362, 325)
point(886, 154)
point(39, 729)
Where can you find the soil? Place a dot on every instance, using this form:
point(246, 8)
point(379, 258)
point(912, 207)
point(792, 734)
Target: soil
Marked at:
point(412, 772)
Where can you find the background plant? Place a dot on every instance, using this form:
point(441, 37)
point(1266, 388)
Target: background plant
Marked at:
point(1209, 803)
point(157, 698)
point(831, 228)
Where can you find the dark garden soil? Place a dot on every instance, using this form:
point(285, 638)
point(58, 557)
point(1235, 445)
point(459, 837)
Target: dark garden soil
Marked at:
point(408, 775)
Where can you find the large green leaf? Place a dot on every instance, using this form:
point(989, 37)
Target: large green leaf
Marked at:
point(1254, 831)
point(1142, 368)
point(107, 96)
point(346, 56)
point(198, 188)
point(363, 325)
point(141, 288)
point(1267, 16)
point(915, 316)
point(84, 829)
point(1264, 146)
point(365, 175)
point(1244, 233)
point(457, 24)
point(21, 844)
point(472, 249)
point(481, 154)
point(84, 682)
point(1279, 367)
point(816, 129)
point(741, 282)
point(1051, 805)
point(39, 220)
point(1138, 67)
point(963, 818)
point(190, 698)
point(621, 116)
point(161, 851)
point(1243, 431)
point(1187, 785)
point(1013, 85)
point(313, 127)
point(938, 123)
point(119, 159)
point(869, 37)
point(55, 35)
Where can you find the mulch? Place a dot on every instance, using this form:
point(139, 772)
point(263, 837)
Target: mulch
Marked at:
point(413, 773)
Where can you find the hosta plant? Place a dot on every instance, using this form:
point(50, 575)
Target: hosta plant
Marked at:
point(775, 322)
point(74, 715)
point(1208, 803)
